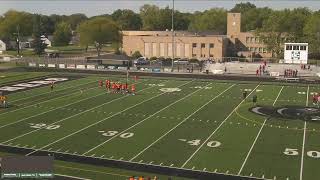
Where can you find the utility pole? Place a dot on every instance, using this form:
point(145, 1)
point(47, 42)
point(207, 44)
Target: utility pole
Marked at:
point(172, 29)
point(18, 39)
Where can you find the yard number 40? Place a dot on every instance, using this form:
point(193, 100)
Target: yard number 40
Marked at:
point(295, 152)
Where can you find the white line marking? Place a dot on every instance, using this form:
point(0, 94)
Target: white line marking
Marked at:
point(217, 129)
point(171, 165)
point(72, 177)
point(136, 124)
point(180, 123)
point(140, 161)
point(160, 164)
point(100, 121)
point(304, 139)
point(70, 116)
point(87, 170)
point(204, 169)
point(76, 91)
point(102, 156)
point(15, 122)
point(255, 140)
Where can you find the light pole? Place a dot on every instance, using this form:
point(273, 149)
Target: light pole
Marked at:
point(172, 29)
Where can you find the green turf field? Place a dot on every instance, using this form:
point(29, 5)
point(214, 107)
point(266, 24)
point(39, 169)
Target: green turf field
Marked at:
point(189, 124)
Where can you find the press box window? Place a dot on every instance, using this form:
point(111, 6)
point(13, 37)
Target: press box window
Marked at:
point(194, 45)
point(211, 45)
point(203, 45)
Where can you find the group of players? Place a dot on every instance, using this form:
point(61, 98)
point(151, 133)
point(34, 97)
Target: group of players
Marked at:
point(117, 87)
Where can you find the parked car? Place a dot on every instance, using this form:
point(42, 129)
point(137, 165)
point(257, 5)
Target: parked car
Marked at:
point(141, 61)
point(181, 61)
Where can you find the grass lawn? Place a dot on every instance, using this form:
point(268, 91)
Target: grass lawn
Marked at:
point(196, 125)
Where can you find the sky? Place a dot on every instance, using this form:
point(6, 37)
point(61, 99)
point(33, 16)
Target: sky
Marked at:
point(97, 7)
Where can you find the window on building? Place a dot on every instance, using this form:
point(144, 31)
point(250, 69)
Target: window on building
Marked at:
point(295, 47)
point(211, 55)
point(288, 47)
point(252, 39)
point(194, 55)
point(303, 48)
point(264, 50)
point(203, 45)
point(194, 45)
point(204, 55)
point(247, 39)
point(260, 50)
point(256, 39)
point(211, 45)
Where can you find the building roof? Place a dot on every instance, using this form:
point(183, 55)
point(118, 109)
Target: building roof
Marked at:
point(169, 33)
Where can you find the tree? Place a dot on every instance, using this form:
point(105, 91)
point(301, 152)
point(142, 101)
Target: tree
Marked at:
point(154, 18)
point(243, 7)
point(136, 54)
point(38, 43)
point(62, 34)
point(75, 19)
point(99, 31)
point(312, 33)
point(283, 26)
point(13, 20)
point(150, 17)
point(127, 19)
point(210, 20)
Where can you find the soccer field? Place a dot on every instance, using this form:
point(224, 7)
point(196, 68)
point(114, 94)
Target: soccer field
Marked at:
point(199, 125)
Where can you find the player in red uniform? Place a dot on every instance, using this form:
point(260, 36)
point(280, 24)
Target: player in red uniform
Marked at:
point(113, 87)
point(118, 86)
point(315, 99)
point(126, 87)
point(133, 89)
point(123, 88)
point(108, 85)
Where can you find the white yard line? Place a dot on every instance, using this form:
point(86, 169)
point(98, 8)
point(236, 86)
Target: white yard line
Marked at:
point(179, 123)
point(195, 170)
point(70, 116)
point(87, 170)
point(54, 91)
point(99, 121)
point(76, 91)
point(304, 139)
point(136, 124)
point(73, 177)
point(50, 110)
point(255, 140)
point(217, 128)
